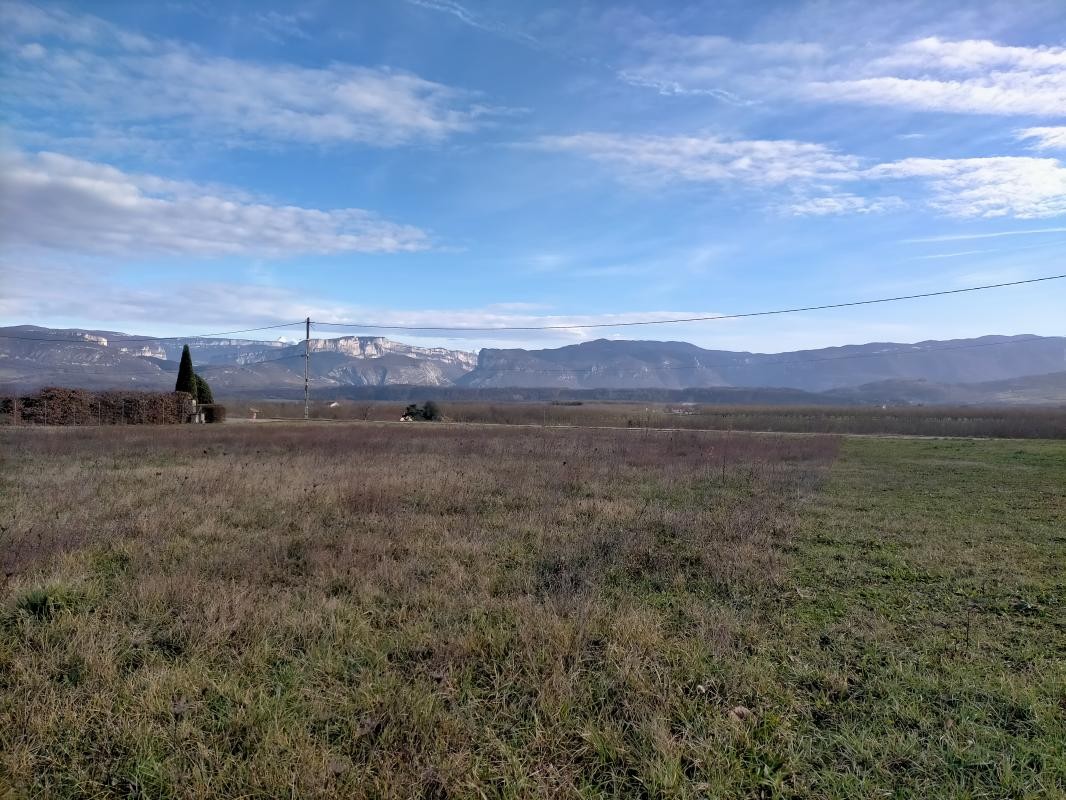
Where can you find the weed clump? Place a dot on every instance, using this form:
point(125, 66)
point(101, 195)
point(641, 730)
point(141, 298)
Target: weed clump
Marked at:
point(45, 602)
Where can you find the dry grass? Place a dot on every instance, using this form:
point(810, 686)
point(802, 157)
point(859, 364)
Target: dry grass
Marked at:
point(1006, 422)
point(358, 611)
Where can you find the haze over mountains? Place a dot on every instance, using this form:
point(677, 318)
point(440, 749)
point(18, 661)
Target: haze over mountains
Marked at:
point(992, 369)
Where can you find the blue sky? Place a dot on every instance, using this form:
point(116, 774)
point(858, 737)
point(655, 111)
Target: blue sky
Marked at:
point(173, 168)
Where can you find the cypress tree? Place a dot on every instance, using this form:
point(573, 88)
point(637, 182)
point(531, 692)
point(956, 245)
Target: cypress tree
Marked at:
point(186, 381)
point(203, 390)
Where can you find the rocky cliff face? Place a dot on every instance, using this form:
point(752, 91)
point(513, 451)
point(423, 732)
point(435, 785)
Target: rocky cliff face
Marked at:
point(379, 347)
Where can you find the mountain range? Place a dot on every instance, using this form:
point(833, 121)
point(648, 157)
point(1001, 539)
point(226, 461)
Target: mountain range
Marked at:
point(34, 356)
point(990, 369)
point(674, 365)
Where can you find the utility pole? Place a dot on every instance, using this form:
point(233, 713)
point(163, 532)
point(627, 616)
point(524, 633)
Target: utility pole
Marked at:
point(307, 361)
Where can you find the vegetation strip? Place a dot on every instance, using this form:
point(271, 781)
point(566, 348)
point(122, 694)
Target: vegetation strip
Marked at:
point(1011, 423)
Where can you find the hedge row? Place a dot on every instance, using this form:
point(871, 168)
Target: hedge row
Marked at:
point(59, 406)
point(213, 412)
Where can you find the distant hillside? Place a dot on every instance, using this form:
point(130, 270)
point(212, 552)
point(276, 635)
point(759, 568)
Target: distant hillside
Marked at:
point(674, 365)
point(1030, 390)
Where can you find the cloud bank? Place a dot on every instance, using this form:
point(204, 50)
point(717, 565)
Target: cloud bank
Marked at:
point(53, 201)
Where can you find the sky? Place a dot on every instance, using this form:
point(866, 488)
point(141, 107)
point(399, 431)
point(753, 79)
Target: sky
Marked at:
point(177, 168)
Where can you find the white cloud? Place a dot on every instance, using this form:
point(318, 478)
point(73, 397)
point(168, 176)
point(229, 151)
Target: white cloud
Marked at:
point(931, 74)
point(971, 55)
point(50, 200)
point(85, 63)
point(1047, 138)
point(1027, 188)
point(832, 205)
point(970, 77)
point(709, 158)
point(1000, 94)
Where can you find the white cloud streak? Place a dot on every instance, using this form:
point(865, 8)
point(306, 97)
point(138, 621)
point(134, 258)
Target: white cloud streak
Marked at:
point(972, 55)
point(53, 201)
point(960, 254)
point(63, 61)
point(1046, 138)
point(694, 65)
point(837, 204)
point(1006, 94)
point(962, 237)
point(1014, 186)
point(709, 158)
point(669, 87)
point(469, 18)
point(1008, 186)
point(930, 74)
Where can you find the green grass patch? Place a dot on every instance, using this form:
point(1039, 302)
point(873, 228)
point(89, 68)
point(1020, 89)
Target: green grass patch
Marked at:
point(925, 644)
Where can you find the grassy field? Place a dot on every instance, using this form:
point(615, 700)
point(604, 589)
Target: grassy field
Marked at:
point(444, 612)
point(1048, 422)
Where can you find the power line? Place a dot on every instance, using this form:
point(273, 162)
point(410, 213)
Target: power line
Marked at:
point(74, 369)
point(307, 365)
point(630, 323)
point(251, 364)
point(103, 367)
point(83, 340)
